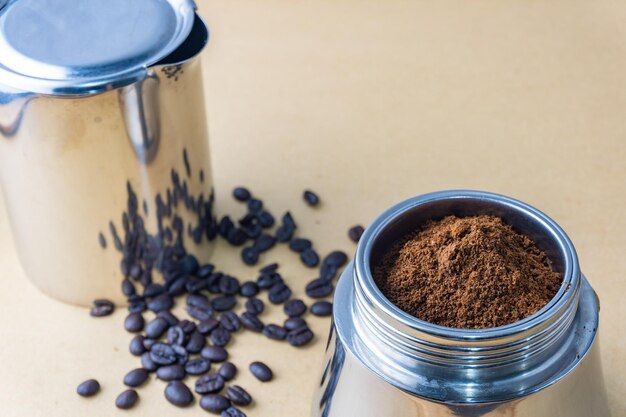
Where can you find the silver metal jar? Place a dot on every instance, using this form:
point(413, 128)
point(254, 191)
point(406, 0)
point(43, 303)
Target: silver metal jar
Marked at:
point(383, 362)
point(102, 109)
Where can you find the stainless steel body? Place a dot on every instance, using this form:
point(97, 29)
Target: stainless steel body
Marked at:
point(69, 148)
point(382, 362)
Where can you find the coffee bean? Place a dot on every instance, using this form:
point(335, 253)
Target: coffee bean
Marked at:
point(199, 313)
point(230, 321)
point(178, 394)
point(102, 240)
point(205, 270)
point(88, 388)
point(137, 305)
point(309, 257)
point(136, 377)
point(209, 384)
point(147, 363)
point(176, 336)
point(205, 327)
point(355, 233)
point(300, 337)
point(255, 306)
point(328, 272)
point(171, 372)
point(285, 232)
point(264, 243)
point(241, 194)
point(188, 326)
point(270, 268)
point(255, 205)
point(214, 353)
point(267, 280)
point(251, 322)
point(336, 258)
point(197, 366)
point(249, 289)
point(134, 322)
point(299, 244)
point(169, 317)
point(128, 288)
point(196, 342)
point(322, 308)
point(160, 303)
point(279, 293)
point(238, 395)
point(294, 308)
point(229, 285)
point(225, 226)
point(224, 303)
point(232, 412)
point(220, 336)
point(249, 256)
point(214, 403)
point(311, 198)
point(186, 162)
point(136, 345)
point(319, 289)
point(275, 332)
point(294, 323)
point(266, 219)
point(227, 371)
point(261, 371)
point(102, 308)
point(195, 286)
point(127, 399)
point(155, 328)
point(178, 286)
point(152, 290)
point(181, 354)
point(163, 354)
point(236, 236)
point(148, 343)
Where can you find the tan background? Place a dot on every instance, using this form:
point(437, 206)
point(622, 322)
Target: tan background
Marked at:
point(368, 103)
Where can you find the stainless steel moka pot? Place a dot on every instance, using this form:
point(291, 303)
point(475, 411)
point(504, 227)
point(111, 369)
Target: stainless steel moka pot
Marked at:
point(383, 362)
point(98, 98)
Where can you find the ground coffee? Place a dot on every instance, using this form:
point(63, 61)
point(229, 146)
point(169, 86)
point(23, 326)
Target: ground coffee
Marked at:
point(472, 272)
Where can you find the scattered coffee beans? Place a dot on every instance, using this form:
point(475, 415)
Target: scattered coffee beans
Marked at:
point(311, 198)
point(136, 377)
point(102, 308)
point(294, 308)
point(227, 371)
point(238, 395)
point(171, 372)
point(355, 233)
point(127, 399)
point(134, 322)
point(232, 412)
point(178, 394)
point(261, 371)
point(214, 403)
point(322, 308)
point(88, 388)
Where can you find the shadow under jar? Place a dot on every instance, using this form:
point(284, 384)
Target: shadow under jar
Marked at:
point(383, 362)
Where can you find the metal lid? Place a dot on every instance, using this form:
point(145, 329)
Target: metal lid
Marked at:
point(87, 46)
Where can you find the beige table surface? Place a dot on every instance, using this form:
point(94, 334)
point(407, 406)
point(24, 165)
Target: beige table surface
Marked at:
point(368, 103)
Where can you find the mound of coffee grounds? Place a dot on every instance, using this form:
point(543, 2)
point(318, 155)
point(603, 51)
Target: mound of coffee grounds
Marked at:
point(473, 272)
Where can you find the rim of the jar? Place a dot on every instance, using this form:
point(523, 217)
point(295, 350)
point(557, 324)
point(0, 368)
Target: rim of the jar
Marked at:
point(571, 272)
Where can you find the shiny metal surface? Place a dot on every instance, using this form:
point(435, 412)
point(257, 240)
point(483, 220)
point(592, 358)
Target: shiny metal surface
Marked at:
point(87, 46)
point(65, 162)
point(544, 366)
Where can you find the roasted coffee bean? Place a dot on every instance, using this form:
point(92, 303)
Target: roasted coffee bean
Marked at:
point(230, 321)
point(300, 337)
point(178, 394)
point(102, 240)
point(322, 308)
point(264, 243)
point(294, 323)
point(147, 363)
point(227, 371)
point(249, 256)
point(299, 244)
point(265, 219)
point(261, 371)
point(136, 345)
point(328, 272)
point(238, 395)
point(233, 412)
point(214, 353)
point(127, 399)
point(198, 300)
point(169, 317)
point(355, 233)
point(134, 322)
point(309, 257)
point(336, 258)
point(311, 198)
point(269, 269)
point(275, 332)
point(251, 322)
point(255, 306)
point(178, 286)
point(236, 236)
point(135, 272)
point(224, 303)
point(128, 288)
point(242, 194)
point(88, 388)
point(160, 303)
point(197, 366)
point(189, 264)
point(249, 289)
point(205, 327)
point(195, 286)
point(229, 285)
point(156, 328)
point(163, 354)
point(266, 280)
point(255, 205)
point(294, 308)
point(136, 377)
point(188, 326)
point(225, 226)
point(152, 290)
point(137, 305)
point(285, 232)
point(171, 372)
point(214, 403)
point(186, 162)
point(148, 343)
point(102, 308)
point(205, 270)
point(209, 384)
point(214, 282)
point(196, 342)
point(181, 354)
point(318, 288)
point(279, 293)
point(199, 313)
point(176, 336)
point(220, 336)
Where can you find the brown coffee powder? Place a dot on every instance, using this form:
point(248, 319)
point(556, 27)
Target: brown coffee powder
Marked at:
point(472, 272)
